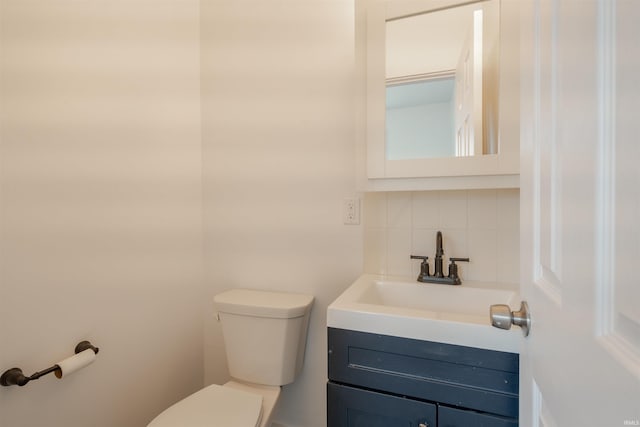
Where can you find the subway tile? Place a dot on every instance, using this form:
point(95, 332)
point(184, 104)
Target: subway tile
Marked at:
point(508, 257)
point(483, 249)
point(374, 209)
point(399, 209)
point(454, 243)
point(482, 207)
point(398, 251)
point(508, 209)
point(453, 209)
point(423, 242)
point(375, 250)
point(425, 209)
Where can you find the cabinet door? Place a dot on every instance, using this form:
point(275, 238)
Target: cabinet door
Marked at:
point(354, 407)
point(451, 417)
point(482, 380)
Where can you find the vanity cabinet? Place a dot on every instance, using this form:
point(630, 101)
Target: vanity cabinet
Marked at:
point(353, 406)
point(380, 380)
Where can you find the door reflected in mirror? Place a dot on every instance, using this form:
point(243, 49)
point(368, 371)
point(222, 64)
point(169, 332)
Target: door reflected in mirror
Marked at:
point(442, 82)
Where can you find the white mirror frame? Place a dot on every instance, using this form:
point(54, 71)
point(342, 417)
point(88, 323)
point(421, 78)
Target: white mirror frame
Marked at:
point(486, 171)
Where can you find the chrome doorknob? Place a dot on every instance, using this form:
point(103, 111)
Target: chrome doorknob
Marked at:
point(502, 317)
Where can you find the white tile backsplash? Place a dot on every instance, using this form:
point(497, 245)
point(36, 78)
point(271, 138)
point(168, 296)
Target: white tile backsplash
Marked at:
point(482, 207)
point(508, 202)
point(398, 248)
point(374, 210)
point(452, 206)
point(508, 255)
point(375, 254)
point(426, 213)
point(399, 210)
point(480, 224)
point(483, 254)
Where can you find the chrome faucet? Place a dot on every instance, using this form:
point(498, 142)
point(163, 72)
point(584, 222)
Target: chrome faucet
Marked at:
point(438, 276)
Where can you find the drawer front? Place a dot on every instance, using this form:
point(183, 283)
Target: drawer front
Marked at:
point(452, 417)
point(478, 379)
point(354, 407)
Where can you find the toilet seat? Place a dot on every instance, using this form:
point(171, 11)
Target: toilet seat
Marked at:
point(213, 406)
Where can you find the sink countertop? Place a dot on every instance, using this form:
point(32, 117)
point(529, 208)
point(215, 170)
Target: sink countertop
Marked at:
point(403, 307)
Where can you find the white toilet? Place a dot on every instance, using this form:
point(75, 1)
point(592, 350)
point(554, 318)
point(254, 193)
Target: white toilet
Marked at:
point(265, 334)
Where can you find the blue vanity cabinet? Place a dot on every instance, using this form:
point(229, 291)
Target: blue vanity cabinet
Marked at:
point(356, 407)
point(379, 380)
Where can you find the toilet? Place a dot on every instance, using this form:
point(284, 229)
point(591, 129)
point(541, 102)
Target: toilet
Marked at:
point(265, 335)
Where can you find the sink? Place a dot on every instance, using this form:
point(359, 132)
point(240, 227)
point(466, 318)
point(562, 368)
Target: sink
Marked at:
point(437, 300)
point(403, 307)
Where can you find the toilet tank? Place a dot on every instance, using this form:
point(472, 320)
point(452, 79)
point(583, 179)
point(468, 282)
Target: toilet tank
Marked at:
point(265, 334)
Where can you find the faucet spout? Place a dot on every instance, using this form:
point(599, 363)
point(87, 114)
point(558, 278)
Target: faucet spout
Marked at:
point(438, 258)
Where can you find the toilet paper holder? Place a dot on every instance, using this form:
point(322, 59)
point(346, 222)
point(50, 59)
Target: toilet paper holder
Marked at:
point(15, 376)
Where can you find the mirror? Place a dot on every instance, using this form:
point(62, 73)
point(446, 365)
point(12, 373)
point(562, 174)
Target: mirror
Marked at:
point(495, 145)
point(441, 74)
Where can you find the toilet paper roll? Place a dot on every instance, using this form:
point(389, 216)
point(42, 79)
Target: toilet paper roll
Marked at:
point(77, 361)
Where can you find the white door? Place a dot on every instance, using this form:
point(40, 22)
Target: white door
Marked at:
point(580, 212)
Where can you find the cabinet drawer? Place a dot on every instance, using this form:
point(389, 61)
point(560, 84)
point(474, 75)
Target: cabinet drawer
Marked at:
point(354, 407)
point(483, 380)
point(452, 417)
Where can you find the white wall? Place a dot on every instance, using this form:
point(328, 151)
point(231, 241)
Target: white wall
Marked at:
point(279, 154)
point(100, 207)
point(101, 194)
point(419, 131)
point(480, 224)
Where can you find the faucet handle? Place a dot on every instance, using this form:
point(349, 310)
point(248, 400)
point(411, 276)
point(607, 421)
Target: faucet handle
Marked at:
point(453, 269)
point(424, 267)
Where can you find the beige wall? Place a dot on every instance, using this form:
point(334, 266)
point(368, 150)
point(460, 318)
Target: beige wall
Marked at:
point(100, 207)
point(278, 138)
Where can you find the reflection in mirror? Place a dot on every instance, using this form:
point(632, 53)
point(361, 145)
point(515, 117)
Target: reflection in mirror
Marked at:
point(420, 119)
point(442, 82)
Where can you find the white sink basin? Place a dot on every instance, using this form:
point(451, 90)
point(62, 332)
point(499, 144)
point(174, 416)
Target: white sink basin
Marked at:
point(437, 300)
point(432, 312)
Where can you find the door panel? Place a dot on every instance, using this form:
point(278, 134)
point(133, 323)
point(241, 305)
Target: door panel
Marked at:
point(580, 208)
point(619, 317)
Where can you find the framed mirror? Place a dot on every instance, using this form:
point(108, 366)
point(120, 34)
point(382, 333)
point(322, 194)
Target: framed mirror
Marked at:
point(440, 80)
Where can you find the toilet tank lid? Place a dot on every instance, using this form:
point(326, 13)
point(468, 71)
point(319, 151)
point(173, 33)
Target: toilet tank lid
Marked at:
point(281, 305)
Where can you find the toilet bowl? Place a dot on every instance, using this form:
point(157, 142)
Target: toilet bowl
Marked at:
point(231, 405)
point(265, 339)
